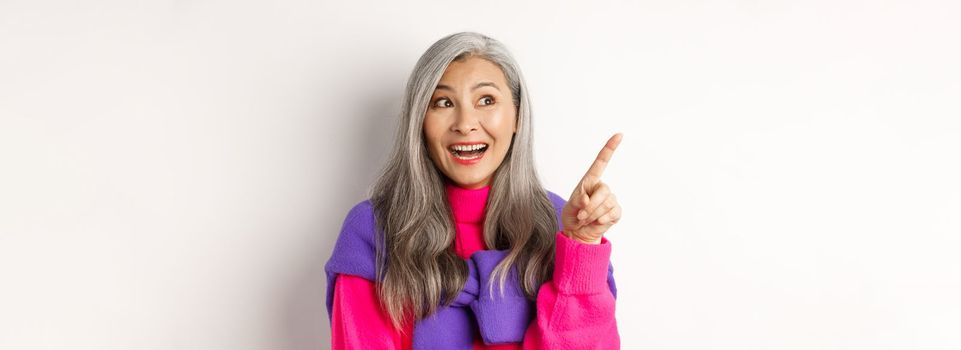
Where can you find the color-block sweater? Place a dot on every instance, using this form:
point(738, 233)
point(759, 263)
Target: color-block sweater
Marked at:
point(574, 310)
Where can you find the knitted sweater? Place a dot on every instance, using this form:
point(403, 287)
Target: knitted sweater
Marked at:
point(575, 310)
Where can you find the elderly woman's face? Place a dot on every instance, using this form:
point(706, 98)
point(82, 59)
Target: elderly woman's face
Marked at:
point(470, 122)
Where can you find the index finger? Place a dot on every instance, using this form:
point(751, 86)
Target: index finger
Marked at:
point(604, 156)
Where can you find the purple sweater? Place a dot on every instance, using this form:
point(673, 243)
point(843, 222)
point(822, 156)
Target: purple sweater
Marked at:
point(499, 319)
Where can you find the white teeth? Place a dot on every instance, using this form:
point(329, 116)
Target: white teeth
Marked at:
point(467, 158)
point(466, 148)
point(456, 151)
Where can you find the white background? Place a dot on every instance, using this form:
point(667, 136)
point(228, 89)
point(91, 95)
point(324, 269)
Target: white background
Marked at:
point(173, 174)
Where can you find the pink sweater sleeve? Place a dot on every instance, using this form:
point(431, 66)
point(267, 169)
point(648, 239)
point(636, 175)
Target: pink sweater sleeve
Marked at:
point(358, 322)
point(576, 309)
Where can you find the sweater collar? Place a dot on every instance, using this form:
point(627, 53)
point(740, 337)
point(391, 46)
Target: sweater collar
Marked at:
point(468, 205)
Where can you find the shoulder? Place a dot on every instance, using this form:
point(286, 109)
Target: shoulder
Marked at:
point(354, 253)
point(360, 215)
point(359, 224)
point(557, 200)
point(558, 203)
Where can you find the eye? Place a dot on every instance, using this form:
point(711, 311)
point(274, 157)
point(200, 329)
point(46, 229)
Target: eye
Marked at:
point(486, 100)
point(442, 103)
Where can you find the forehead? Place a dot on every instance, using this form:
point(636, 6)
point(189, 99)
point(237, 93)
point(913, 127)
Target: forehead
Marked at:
point(472, 70)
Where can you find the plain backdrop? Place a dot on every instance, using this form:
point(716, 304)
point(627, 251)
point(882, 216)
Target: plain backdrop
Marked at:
point(173, 174)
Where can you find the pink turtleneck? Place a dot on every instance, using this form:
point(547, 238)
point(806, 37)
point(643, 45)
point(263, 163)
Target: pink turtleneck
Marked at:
point(574, 311)
point(468, 207)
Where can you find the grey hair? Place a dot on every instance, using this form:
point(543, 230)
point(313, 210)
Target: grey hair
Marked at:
point(417, 270)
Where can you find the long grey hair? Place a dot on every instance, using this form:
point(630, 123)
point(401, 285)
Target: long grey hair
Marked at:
point(416, 267)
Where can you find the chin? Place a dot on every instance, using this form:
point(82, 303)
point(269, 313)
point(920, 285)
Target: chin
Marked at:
point(469, 182)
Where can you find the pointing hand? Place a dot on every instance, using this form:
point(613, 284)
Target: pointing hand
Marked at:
point(592, 208)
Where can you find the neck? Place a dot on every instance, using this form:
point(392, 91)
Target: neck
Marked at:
point(467, 204)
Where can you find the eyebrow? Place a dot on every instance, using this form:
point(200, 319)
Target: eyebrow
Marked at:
point(479, 85)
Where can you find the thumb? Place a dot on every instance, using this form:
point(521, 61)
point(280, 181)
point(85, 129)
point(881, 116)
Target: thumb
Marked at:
point(579, 198)
point(581, 213)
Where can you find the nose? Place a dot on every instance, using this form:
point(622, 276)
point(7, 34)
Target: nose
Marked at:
point(465, 122)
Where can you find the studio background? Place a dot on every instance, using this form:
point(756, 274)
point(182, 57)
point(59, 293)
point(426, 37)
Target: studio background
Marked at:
point(173, 174)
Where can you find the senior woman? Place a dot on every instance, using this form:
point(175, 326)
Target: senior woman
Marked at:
point(459, 246)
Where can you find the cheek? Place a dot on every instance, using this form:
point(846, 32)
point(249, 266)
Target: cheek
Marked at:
point(501, 122)
point(501, 128)
point(432, 132)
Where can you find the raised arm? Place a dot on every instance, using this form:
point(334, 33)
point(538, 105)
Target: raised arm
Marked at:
point(575, 310)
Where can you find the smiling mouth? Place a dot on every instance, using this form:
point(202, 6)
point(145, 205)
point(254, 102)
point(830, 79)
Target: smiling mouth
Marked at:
point(468, 152)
